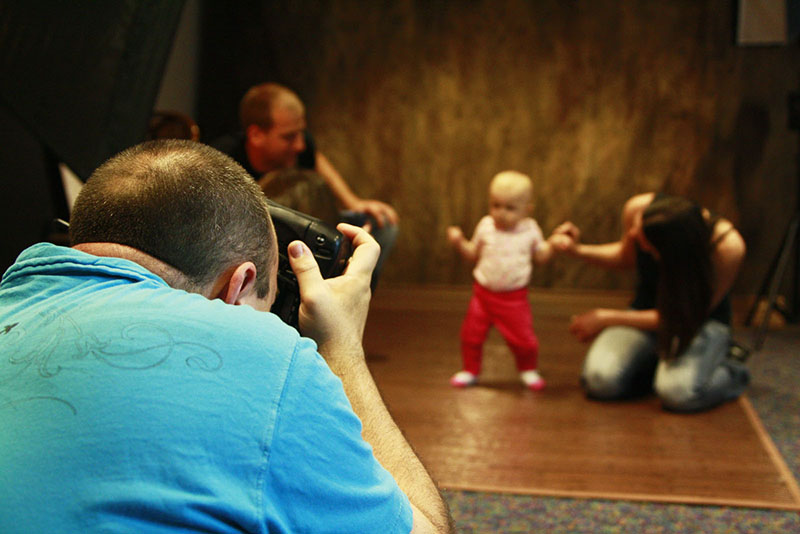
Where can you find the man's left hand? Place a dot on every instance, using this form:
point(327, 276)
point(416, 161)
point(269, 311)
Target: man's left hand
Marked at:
point(382, 212)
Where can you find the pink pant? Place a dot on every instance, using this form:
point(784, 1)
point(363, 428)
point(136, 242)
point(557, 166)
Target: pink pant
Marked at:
point(510, 312)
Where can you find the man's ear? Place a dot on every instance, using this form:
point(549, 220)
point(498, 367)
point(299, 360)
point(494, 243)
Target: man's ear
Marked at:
point(238, 284)
point(254, 133)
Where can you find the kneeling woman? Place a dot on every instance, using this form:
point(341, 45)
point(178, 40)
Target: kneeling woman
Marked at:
point(676, 336)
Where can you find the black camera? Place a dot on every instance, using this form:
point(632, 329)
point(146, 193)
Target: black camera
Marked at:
point(331, 249)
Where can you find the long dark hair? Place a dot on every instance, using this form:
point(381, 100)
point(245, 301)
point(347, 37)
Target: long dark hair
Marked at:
point(677, 229)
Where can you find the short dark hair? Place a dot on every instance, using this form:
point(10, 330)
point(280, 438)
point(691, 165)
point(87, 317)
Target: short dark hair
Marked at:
point(260, 100)
point(183, 203)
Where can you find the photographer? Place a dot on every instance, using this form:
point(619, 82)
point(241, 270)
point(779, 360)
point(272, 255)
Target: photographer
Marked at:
point(145, 389)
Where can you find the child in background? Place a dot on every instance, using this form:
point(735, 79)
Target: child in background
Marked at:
point(505, 244)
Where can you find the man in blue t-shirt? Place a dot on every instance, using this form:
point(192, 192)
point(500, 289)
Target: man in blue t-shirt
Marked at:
point(145, 387)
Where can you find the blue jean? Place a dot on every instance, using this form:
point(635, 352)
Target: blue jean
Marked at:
point(385, 236)
point(623, 361)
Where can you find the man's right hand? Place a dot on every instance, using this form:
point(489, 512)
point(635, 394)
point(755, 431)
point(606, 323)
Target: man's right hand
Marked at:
point(333, 312)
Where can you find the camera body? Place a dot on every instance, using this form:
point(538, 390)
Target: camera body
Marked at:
point(330, 248)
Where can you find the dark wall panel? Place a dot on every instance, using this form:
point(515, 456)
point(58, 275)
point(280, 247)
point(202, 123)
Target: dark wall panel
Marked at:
point(82, 78)
point(77, 86)
point(30, 200)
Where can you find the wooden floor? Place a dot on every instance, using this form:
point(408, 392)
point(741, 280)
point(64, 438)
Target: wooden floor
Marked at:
point(501, 437)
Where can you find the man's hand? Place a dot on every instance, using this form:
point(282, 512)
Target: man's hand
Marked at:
point(333, 312)
point(382, 212)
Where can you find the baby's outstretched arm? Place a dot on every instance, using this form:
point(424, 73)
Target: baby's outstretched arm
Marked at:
point(466, 248)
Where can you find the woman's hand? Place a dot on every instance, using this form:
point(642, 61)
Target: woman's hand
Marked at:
point(568, 229)
point(586, 326)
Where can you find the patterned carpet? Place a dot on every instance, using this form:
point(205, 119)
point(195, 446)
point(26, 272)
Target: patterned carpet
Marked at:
point(775, 395)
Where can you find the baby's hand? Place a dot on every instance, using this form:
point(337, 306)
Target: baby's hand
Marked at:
point(568, 229)
point(561, 243)
point(454, 235)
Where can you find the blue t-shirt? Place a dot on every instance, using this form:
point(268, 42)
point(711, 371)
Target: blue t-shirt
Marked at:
point(129, 406)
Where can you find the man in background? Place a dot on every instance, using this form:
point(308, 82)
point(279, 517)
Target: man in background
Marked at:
point(274, 137)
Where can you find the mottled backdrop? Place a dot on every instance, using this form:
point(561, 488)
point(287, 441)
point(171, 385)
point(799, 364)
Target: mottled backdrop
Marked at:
point(420, 103)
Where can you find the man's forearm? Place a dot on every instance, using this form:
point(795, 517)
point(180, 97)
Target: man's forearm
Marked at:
point(391, 448)
point(346, 197)
point(333, 312)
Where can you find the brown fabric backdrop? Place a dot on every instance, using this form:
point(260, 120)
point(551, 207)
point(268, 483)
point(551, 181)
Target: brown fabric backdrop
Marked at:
point(420, 103)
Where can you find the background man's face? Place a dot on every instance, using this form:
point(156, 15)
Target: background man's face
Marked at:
point(281, 144)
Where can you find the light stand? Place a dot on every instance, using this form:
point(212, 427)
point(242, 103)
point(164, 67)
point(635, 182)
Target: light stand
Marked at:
point(775, 276)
